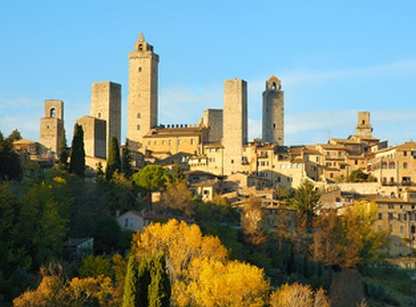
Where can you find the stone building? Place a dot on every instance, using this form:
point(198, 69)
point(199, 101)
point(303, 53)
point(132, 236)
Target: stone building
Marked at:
point(168, 140)
point(213, 120)
point(106, 105)
point(142, 108)
point(52, 126)
point(395, 166)
point(95, 140)
point(235, 124)
point(273, 112)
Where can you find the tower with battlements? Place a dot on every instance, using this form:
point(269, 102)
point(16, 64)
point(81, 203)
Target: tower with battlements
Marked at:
point(273, 112)
point(142, 92)
point(52, 126)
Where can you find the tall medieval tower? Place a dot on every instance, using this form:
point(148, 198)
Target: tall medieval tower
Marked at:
point(364, 128)
point(143, 88)
point(234, 124)
point(52, 125)
point(106, 105)
point(273, 112)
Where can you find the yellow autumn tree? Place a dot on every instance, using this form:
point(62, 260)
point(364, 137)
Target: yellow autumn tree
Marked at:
point(214, 283)
point(180, 242)
point(297, 295)
point(54, 291)
point(200, 270)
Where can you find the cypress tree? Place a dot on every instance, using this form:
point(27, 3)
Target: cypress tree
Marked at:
point(126, 160)
point(144, 280)
point(113, 159)
point(63, 151)
point(159, 288)
point(77, 162)
point(131, 283)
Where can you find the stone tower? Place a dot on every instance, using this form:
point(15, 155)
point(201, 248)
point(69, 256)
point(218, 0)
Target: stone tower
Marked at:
point(52, 125)
point(106, 105)
point(234, 124)
point(273, 112)
point(143, 87)
point(364, 128)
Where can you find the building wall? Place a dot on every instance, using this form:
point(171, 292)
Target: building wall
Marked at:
point(273, 112)
point(235, 124)
point(52, 125)
point(213, 119)
point(106, 105)
point(395, 166)
point(95, 143)
point(142, 96)
point(398, 218)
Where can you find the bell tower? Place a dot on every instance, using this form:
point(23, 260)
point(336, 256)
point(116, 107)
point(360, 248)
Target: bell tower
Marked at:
point(273, 112)
point(142, 98)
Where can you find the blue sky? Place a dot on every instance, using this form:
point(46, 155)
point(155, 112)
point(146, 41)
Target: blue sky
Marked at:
point(334, 58)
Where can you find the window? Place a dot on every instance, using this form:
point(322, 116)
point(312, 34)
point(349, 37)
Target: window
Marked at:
point(274, 126)
point(139, 115)
point(401, 229)
point(405, 153)
point(356, 162)
point(404, 164)
point(99, 115)
point(138, 127)
point(52, 112)
point(140, 69)
point(380, 216)
point(363, 122)
point(140, 47)
point(390, 216)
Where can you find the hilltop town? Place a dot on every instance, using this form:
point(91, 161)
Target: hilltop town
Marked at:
point(258, 189)
point(217, 147)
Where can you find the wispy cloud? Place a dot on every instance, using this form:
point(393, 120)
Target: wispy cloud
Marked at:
point(294, 78)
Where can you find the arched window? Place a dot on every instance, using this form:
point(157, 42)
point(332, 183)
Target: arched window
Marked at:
point(52, 112)
point(99, 115)
point(140, 47)
point(140, 69)
point(392, 165)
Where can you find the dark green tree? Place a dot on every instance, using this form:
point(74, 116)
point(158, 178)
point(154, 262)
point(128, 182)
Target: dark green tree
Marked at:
point(151, 178)
point(306, 201)
point(63, 151)
point(14, 136)
point(113, 159)
point(10, 165)
point(100, 173)
point(159, 288)
point(77, 162)
point(136, 284)
point(126, 160)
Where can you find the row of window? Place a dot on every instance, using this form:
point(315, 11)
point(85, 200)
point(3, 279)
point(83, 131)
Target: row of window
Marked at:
point(169, 142)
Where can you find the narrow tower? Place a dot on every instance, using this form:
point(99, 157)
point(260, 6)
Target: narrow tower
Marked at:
point(142, 96)
point(273, 112)
point(364, 128)
point(234, 124)
point(106, 105)
point(52, 126)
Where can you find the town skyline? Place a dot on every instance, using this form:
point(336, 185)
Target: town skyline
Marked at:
point(323, 91)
